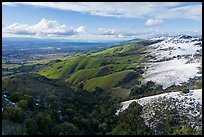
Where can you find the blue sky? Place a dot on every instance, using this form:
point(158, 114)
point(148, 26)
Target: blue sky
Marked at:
point(100, 21)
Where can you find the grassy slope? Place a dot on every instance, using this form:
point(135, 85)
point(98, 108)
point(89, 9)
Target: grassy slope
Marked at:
point(64, 68)
point(60, 69)
point(95, 69)
point(87, 62)
point(113, 50)
point(106, 82)
point(84, 75)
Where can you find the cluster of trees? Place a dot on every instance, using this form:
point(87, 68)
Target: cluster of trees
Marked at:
point(69, 110)
point(130, 122)
point(131, 76)
point(148, 89)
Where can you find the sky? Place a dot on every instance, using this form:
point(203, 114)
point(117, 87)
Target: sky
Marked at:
point(100, 20)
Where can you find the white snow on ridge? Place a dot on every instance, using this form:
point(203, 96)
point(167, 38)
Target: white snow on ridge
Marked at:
point(169, 50)
point(178, 52)
point(194, 94)
point(171, 72)
point(144, 100)
point(173, 47)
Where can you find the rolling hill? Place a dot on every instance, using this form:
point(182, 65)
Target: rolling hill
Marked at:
point(155, 57)
point(109, 65)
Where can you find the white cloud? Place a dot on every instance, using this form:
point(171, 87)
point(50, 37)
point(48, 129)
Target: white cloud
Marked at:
point(44, 28)
point(9, 3)
point(153, 22)
point(193, 12)
point(81, 29)
point(104, 31)
point(162, 10)
point(112, 33)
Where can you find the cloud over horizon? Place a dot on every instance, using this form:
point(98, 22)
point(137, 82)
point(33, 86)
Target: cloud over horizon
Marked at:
point(51, 28)
point(44, 28)
point(104, 32)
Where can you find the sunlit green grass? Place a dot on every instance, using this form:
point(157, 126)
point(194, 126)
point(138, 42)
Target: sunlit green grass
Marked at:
point(106, 82)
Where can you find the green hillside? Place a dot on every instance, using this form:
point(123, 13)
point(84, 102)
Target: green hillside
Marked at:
point(60, 69)
point(106, 82)
point(91, 62)
point(102, 69)
point(119, 49)
point(83, 75)
point(86, 74)
point(64, 68)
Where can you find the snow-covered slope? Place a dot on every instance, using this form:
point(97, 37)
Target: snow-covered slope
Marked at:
point(176, 45)
point(195, 95)
point(171, 72)
point(177, 59)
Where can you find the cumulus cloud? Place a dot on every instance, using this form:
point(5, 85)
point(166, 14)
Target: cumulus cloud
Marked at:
point(153, 22)
point(112, 33)
point(104, 31)
point(81, 29)
point(44, 28)
point(162, 10)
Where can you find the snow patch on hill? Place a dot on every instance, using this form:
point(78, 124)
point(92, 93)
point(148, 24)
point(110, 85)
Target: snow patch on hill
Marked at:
point(174, 46)
point(176, 60)
point(171, 72)
point(195, 95)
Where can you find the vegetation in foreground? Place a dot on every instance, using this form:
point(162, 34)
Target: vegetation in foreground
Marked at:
point(55, 108)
